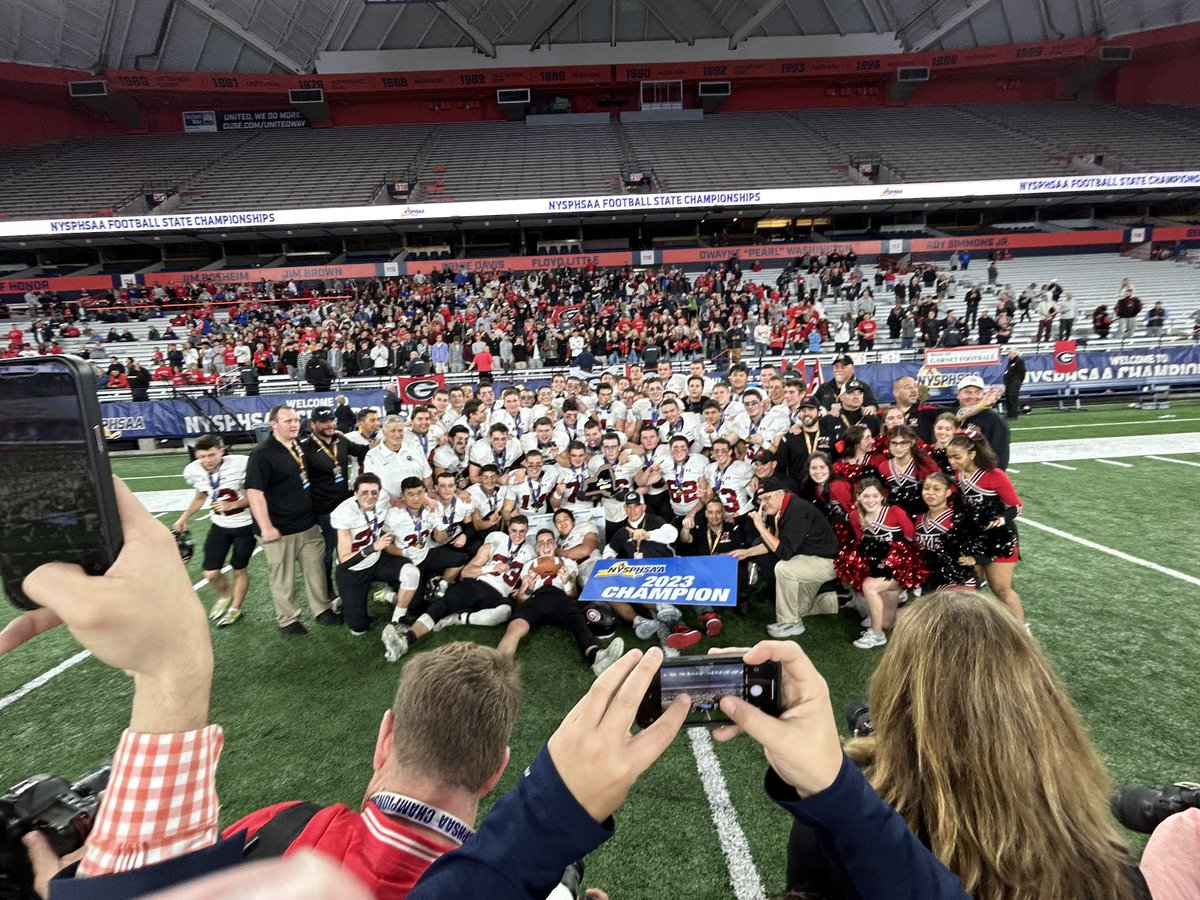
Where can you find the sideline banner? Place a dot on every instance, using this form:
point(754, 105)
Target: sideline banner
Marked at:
point(688, 581)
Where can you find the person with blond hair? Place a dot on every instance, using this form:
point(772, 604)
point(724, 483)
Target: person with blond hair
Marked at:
point(977, 746)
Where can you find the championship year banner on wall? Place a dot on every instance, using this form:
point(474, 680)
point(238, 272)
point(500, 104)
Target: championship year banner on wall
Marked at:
point(687, 581)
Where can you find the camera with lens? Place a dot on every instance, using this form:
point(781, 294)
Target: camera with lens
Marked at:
point(63, 811)
point(1144, 809)
point(858, 718)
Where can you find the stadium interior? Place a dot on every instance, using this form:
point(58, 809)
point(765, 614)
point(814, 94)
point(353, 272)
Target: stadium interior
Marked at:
point(334, 154)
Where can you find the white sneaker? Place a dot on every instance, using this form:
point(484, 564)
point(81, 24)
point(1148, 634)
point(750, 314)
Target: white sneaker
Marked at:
point(395, 644)
point(645, 628)
point(871, 639)
point(752, 577)
point(668, 614)
point(786, 629)
point(336, 604)
point(456, 619)
point(497, 615)
point(608, 656)
point(220, 608)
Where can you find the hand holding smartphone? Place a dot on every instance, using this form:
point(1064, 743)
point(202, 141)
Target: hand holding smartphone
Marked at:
point(706, 679)
point(59, 504)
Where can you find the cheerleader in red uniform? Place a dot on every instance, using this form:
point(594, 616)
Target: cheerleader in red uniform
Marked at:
point(940, 538)
point(856, 456)
point(826, 490)
point(905, 470)
point(945, 427)
point(877, 526)
point(989, 508)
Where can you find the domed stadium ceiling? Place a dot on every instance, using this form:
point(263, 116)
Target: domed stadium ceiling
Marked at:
point(309, 35)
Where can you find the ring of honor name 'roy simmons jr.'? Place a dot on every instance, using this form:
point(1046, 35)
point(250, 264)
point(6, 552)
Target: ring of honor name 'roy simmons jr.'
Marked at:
point(690, 581)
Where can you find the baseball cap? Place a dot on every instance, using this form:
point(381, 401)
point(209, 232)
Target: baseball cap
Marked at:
point(809, 403)
point(853, 385)
point(971, 381)
point(769, 485)
point(843, 360)
point(633, 497)
point(764, 456)
point(322, 414)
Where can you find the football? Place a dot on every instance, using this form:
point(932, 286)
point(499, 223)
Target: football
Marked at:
point(547, 566)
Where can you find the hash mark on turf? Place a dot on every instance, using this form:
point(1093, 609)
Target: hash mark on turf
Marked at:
point(1113, 462)
point(1060, 466)
point(1179, 462)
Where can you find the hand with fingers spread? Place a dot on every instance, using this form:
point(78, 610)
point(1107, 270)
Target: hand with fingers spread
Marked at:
point(141, 616)
point(593, 750)
point(802, 744)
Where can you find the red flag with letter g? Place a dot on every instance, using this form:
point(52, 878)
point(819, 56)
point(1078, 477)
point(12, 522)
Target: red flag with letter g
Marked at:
point(1065, 360)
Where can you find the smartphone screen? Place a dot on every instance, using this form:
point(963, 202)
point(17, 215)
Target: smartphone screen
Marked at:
point(706, 679)
point(58, 503)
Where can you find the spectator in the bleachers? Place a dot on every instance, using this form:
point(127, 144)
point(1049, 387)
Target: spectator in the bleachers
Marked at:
point(953, 333)
point(1129, 307)
point(894, 319)
point(1156, 318)
point(972, 300)
point(908, 330)
point(993, 272)
point(1046, 311)
point(987, 327)
point(841, 335)
point(931, 329)
point(1004, 327)
point(1014, 377)
point(1101, 321)
point(138, 378)
point(866, 330)
point(1067, 310)
point(964, 259)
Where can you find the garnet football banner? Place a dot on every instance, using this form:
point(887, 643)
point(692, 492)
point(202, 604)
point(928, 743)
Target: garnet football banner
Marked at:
point(1065, 359)
point(689, 581)
point(420, 389)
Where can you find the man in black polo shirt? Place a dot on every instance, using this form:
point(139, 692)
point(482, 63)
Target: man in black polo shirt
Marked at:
point(278, 486)
point(327, 456)
point(793, 535)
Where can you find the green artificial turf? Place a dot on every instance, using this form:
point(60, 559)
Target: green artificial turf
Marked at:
point(300, 715)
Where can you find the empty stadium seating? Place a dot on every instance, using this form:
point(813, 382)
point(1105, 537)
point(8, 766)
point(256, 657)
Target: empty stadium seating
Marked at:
point(496, 160)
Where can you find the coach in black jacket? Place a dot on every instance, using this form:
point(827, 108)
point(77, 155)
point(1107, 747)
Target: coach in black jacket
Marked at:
point(799, 543)
point(643, 533)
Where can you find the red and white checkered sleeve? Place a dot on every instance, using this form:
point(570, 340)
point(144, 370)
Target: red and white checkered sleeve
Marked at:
point(161, 801)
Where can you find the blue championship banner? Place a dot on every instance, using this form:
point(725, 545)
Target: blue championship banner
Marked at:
point(690, 581)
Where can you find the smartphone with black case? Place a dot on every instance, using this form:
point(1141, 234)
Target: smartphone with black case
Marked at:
point(706, 679)
point(58, 502)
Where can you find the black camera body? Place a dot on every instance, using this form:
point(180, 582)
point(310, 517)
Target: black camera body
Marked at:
point(858, 718)
point(1144, 809)
point(63, 811)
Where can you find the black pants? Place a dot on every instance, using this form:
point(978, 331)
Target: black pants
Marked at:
point(1012, 400)
point(468, 594)
point(436, 561)
point(552, 607)
point(354, 584)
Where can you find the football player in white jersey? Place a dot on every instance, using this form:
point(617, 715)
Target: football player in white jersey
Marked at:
point(500, 450)
point(728, 480)
point(487, 581)
point(487, 498)
point(454, 509)
point(683, 471)
point(648, 479)
point(571, 491)
point(648, 409)
point(609, 412)
point(454, 456)
point(764, 427)
point(511, 414)
point(420, 437)
point(221, 481)
point(675, 422)
point(714, 425)
point(621, 466)
point(543, 438)
point(570, 427)
point(366, 434)
point(545, 595)
point(418, 533)
point(365, 551)
point(530, 486)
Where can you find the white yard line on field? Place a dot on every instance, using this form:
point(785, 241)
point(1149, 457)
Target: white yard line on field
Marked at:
point(30, 686)
point(1119, 554)
point(1061, 466)
point(1113, 462)
point(743, 874)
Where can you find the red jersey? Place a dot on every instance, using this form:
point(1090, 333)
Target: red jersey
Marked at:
point(891, 523)
point(985, 483)
point(385, 854)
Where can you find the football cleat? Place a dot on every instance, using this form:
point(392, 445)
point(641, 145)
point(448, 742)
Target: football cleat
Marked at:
point(187, 547)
